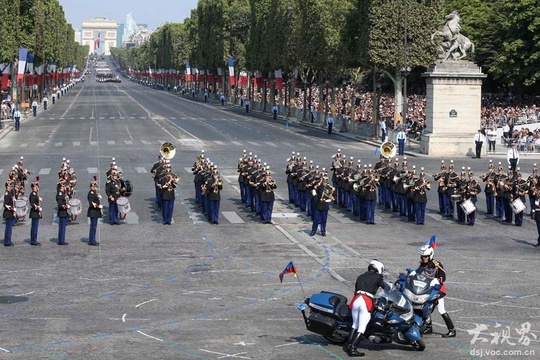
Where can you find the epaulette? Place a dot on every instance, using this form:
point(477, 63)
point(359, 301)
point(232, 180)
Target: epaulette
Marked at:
point(92, 192)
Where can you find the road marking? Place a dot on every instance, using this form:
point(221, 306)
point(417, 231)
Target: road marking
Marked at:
point(146, 142)
point(110, 142)
point(93, 143)
point(24, 145)
point(232, 217)
point(145, 302)
point(76, 143)
point(101, 118)
point(172, 118)
point(1, 171)
point(151, 337)
point(92, 170)
point(58, 144)
point(142, 117)
point(112, 118)
point(82, 118)
point(254, 143)
point(270, 143)
point(141, 170)
point(219, 142)
point(44, 171)
point(237, 143)
point(128, 142)
point(41, 144)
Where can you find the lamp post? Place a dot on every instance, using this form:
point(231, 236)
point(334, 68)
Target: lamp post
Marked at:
point(405, 68)
point(264, 93)
point(344, 109)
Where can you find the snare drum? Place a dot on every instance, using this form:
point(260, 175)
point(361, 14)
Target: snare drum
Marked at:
point(123, 206)
point(75, 208)
point(468, 206)
point(21, 208)
point(126, 188)
point(518, 206)
point(455, 197)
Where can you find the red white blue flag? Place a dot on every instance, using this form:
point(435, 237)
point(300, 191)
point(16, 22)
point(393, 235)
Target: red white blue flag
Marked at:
point(432, 242)
point(288, 269)
point(231, 71)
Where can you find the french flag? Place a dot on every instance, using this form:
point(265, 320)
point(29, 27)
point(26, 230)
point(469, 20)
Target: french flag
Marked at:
point(432, 242)
point(23, 53)
point(231, 71)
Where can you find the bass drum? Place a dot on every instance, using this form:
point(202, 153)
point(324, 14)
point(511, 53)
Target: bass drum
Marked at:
point(123, 206)
point(75, 208)
point(126, 188)
point(468, 206)
point(21, 208)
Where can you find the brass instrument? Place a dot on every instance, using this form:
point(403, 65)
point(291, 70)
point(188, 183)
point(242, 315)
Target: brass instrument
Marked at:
point(167, 151)
point(388, 149)
point(357, 187)
point(328, 193)
point(173, 180)
point(269, 185)
point(425, 184)
point(217, 184)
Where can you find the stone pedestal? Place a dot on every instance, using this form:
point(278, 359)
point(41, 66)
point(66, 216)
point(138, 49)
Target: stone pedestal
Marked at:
point(453, 96)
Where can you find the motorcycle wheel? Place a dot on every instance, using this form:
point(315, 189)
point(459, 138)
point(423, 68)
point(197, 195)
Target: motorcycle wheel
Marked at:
point(336, 338)
point(419, 345)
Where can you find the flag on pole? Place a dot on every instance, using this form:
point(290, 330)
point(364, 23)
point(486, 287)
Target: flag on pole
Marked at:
point(231, 71)
point(279, 79)
point(432, 242)
point(23, 53)
point(288, 269)
point(30, 63)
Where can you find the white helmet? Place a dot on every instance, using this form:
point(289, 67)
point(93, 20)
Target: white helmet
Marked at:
point(426, 250)
point(376, 266)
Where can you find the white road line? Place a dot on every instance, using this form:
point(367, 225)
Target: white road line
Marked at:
point(24, 145)
point(1, 171)
point(232, 217)
point(254, 143)
point(141, 170)
point(41, 144)
point(76, 143)
point(237, 143)
point(219, 142)
point(124, 318)
point(112, 117)
point(44, 171)
point(92, 170)
point(151, 337)
point(93, 143)
point(146, 142)
point(145, 302)
point(270, 143)
point(58, 144)
point(128, 142)
point(110, 142)
point(4, 350)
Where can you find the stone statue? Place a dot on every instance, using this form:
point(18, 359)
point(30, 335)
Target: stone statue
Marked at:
point(454, 45)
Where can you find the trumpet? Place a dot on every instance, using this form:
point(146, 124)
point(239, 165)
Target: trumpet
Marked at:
point(327, 193)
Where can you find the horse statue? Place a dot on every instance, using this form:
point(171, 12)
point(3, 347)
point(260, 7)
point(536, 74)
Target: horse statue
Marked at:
point(454, 44)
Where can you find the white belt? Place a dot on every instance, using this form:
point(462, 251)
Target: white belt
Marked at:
point(364, 293)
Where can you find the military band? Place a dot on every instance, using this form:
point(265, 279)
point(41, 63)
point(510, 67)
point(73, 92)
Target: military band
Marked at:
point(95, 211)
point(9, 213)
point(35, 212)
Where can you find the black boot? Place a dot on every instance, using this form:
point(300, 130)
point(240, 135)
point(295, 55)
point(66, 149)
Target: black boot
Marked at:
point(353, 349)
point(349, 342)
point(428, 327)
point(450, 325)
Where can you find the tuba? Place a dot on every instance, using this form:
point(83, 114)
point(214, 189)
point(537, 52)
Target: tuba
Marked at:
point(327, 193)
point(167, 150)
point(388, 149)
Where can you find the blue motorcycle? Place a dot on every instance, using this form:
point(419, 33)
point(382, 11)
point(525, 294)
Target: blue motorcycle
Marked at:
point(392, 319)
point(422, 291)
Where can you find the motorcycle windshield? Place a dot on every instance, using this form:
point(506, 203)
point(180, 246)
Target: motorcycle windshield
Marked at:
point(397, 301)
point(419, 283)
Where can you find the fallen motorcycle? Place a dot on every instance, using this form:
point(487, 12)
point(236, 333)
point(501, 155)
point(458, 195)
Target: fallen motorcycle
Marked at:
point(392, 320)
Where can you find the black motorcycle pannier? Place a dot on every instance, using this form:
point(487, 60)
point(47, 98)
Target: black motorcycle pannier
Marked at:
point(320, 324)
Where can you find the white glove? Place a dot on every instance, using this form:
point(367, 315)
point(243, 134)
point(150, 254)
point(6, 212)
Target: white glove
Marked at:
point(100, 206)
point(40, 208)
point(99, 196)
point(314, 192)
point(68, 206)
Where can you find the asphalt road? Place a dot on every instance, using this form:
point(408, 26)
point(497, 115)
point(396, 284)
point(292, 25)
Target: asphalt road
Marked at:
point(200, 291)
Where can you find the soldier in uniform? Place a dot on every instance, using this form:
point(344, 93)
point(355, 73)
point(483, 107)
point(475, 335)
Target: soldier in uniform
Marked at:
point(196, 170)
point(362, 193)
point(490, 189)
point(63, 206)
point(214, 187)
point(156, 173)
point(440, 178)
point(9, 212)
point(392, 184)
point(167, 184)
point(421, 186)
point(500, 178)
point(335, 168)
point(302, 173)
point(95, 211)
point(520, 190)
point(462, 189)
point(400, 188)
point(371, 196)
point(379, 165)
point(247, 169)
point(536, 214)
point(112, 189)
point(532, 181)
point(323, 198)
point(409, 194)
point(385, 183)
point(451, 182)
point(473, 189)
point(348, 176)
point(288, 171)
point(266, 189)
point(35, 212)
point(509, 191)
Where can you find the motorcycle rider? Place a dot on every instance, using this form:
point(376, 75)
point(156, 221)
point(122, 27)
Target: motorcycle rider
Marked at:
point(435, 269)
point(361, 305)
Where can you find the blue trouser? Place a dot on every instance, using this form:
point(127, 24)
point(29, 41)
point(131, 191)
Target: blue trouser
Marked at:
point(370, 211)
point(518, 218)
point(302, 199)
point(538, 230)
point(257, 201)
point(508, 212)
point(319, 217)
point(460, 212)
point(334, 184)
point(213, 211)
point(471, 218)
point(168, 207)
point(113, 213)
point(355, 205)
point(401, 147)
point(348, 200)
point(449, 205)
point(62, 223)
point(34, 230)
point(275, 115)
point(242, 192)
point(387, 197)
point(490, 199)
point(54, 100)
point(266, 211)
point(158, 196)
point(380, 195)
point(290, 187)
point(442, 207)
point(394, 196)
point(17, 123)
point(420, 210)
point(206, 202)
point(45, 105)
point(499, 206)
point(402, 204)
point(252, 191)
point(362, 210)
point(198, 193)
point(411, 215)
point(8, 231)
point(248, 194)
point(34, 110)
point(93, 230)
point(532, 200)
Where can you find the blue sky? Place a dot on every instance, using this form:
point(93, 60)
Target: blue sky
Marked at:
point(151, 12)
